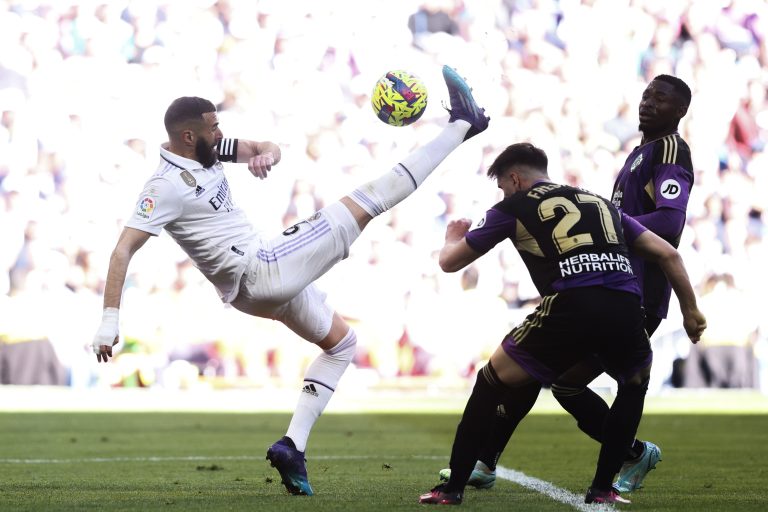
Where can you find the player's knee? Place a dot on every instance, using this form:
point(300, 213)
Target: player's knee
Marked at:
point(640, 378)
point(636, 384)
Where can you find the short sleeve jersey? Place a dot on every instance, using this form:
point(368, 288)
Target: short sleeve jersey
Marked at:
point(567, 237)
point(195, 206)
point(658, 174)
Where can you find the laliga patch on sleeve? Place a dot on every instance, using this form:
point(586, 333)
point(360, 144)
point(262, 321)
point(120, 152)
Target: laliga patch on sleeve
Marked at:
point(670, 189)
point(145, 207)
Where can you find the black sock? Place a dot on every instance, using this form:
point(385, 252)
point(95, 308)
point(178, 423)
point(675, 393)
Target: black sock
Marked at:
point(585, 406)
point(509, 413)
point(618, 432)
point(590, 411)
point(474, 427)
point(638, 447)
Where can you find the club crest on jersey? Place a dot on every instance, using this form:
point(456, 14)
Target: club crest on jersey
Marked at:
point(637, 162)
point(670, 189)
point(188, 178)
point(145, 207)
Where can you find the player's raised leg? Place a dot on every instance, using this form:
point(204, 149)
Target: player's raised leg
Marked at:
point(463, 105)
point(339, 232)
point(467, 119)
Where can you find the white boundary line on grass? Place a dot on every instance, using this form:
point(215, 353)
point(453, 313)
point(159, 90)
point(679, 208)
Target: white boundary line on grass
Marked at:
point(548, 489)
point(541, 486)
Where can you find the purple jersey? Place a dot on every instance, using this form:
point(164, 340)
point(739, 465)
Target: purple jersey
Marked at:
point(658, 174)
point(566, 236)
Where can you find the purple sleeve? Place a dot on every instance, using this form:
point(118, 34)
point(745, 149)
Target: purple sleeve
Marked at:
point(672, 185)
point(495, 227)
point(632, 228)
point(665, 222)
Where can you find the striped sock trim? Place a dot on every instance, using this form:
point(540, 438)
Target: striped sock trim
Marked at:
point(565, 391)
point(326, 386)
point(492, 377)
point(366, 204)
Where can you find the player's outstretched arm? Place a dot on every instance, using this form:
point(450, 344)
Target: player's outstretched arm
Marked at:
point(654, 248)
point(260, 156)
point(668, 223)
point(107, 335)
point(456, 253)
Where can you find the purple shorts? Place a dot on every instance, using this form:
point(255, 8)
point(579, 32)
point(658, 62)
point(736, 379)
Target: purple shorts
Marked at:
point(573, 324)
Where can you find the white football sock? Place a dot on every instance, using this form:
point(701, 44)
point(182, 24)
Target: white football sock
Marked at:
point(319, 384)
point(378, 196)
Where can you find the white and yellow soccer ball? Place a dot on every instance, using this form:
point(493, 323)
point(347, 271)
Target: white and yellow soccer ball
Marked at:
point(399, 98)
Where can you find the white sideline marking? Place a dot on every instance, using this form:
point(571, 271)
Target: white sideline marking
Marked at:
point(541, 486)
point(548, 489)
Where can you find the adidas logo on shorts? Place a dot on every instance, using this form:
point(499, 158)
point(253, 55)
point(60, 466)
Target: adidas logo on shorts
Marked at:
point(310, 388)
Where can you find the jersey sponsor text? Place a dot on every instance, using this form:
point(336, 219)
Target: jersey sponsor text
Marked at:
point(595, 262)
point(670, 189)
point(222, 197)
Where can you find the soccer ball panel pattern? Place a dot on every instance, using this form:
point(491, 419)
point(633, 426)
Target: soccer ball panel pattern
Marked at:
point(399, 98)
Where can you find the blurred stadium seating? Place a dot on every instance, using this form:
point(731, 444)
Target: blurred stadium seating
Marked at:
point(84, 85)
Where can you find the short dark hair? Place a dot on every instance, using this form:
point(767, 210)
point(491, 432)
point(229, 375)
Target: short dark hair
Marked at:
point(186, 108)
point(521, 153)
point(681, 88)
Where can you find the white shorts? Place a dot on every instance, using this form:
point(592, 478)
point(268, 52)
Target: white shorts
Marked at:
point(277, 282)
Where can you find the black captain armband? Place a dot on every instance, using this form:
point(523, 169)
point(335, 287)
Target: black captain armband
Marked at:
point(227, 149)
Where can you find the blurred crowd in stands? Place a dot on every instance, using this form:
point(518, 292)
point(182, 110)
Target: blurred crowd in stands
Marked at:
point(84, 86)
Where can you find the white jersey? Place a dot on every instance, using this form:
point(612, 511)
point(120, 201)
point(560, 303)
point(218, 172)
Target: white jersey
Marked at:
point(195, 206)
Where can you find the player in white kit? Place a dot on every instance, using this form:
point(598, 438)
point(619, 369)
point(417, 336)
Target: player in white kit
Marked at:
point(190, 198)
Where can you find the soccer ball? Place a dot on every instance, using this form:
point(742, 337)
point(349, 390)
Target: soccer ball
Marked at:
point(399, 98)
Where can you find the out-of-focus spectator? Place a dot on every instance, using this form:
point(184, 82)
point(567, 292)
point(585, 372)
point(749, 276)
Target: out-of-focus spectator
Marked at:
point(725, 355)
point(744, 134)
point(433, 16)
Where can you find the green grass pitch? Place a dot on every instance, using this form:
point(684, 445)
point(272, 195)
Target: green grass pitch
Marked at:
point(359, 462)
